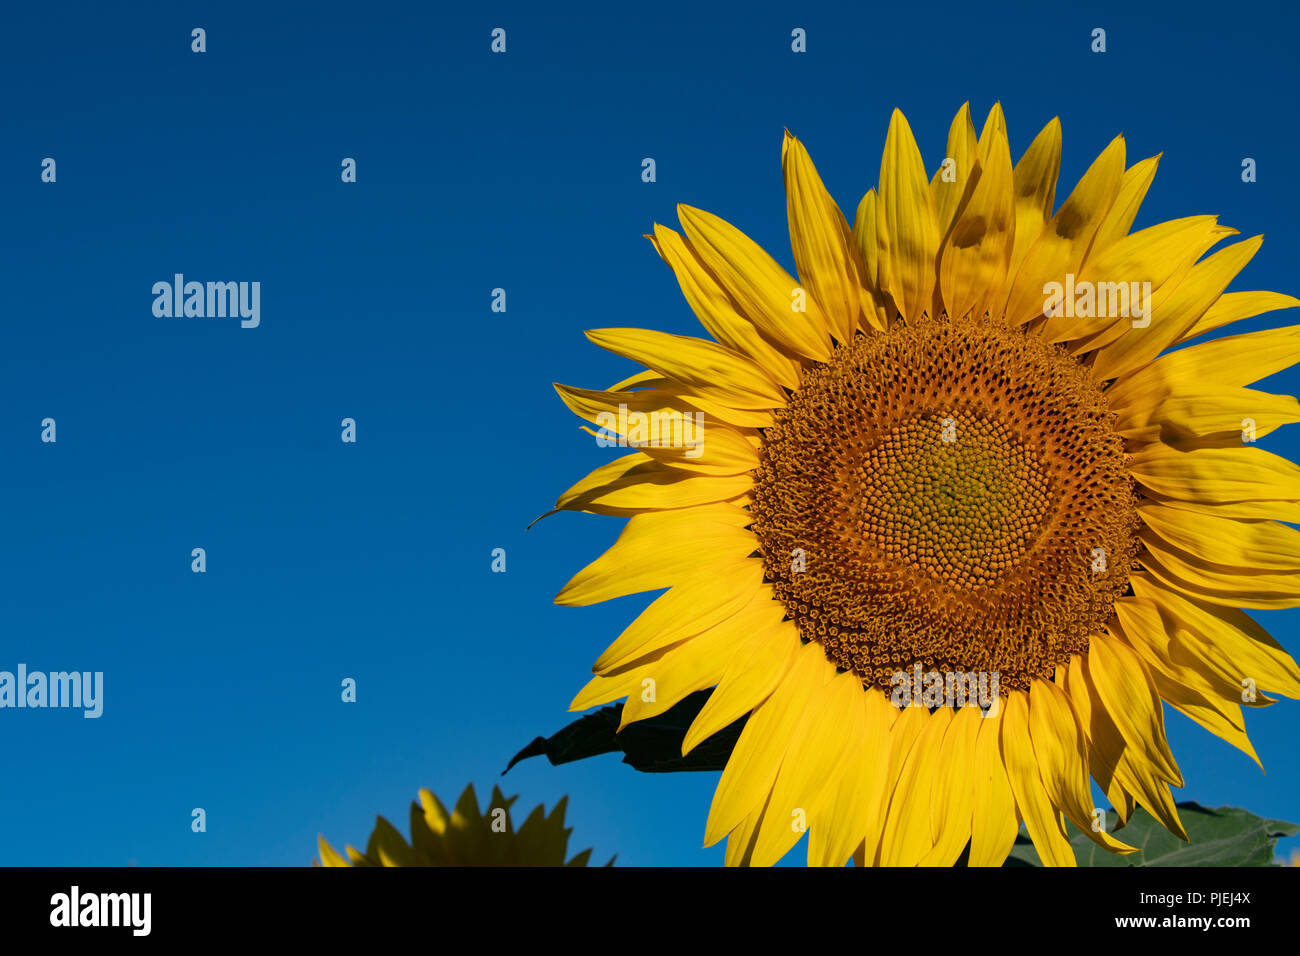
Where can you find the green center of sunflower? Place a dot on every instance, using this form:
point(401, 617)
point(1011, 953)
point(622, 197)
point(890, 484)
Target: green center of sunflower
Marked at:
point(949, 493)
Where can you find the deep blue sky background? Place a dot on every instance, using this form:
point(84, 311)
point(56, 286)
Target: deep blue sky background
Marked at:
point(522, 171)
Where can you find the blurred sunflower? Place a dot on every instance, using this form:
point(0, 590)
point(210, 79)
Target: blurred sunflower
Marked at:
point(465, 837)
point(933, 455)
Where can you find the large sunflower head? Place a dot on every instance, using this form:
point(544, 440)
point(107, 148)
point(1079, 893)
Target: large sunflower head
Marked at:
point(465, 837)
point(951, 516)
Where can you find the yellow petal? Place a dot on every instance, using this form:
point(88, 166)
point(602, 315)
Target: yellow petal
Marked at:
point(1132, 190)
point(903, 732)
point(1042, 819)
point(685, 609)
point(1208, 413)
point(954, 180)
point(328, 855)
point(1235, 306)
point(1288, 511)
point(746, 781)
point(657, 548)
point(868, 245)
point(906, 224)
point(635, 483)
point(1197, 694)
point(857, 804)
point(1132, 772)
point(811, 769)
point(700, 661)
point(1062, 760)
point(907, 835)
point(1153, 256)
point(1226, 639)
point(1214, 583)
point(1232, 361)
point(1242, 544)
point(1125, 690)
point(1216, 474)
point(666, 428)
point(1061, 246)
point(1034, 180)
point(717, 311)
point(1220, 717)
point(605, 689)
point(994, 823)
point(1173, 315)
point(1102, 760)
point(821, 240)
point(952, 800)
point(764, 292)
point(977, 251)
point(714, 371)
point(754, 670)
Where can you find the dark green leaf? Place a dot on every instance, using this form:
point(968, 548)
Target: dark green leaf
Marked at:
point(1224, 836)
point(653, 745)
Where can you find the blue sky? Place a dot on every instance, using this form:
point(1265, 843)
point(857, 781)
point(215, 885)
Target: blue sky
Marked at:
point(475, 171)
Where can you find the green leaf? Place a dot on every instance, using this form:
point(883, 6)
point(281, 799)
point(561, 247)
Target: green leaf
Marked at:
point(1223, 836)
point(653, 745)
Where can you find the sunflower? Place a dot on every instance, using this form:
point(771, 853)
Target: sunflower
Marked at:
point(964, 443)
point(465, 837)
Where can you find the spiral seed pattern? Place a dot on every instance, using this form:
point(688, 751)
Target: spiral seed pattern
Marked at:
point(953, 493)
